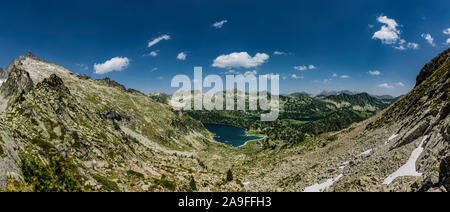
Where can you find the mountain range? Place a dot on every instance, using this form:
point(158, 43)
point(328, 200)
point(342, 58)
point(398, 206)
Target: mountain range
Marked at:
point(62, 131)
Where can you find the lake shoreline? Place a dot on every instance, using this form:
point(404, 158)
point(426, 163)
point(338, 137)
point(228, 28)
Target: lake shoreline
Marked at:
point(231, 135)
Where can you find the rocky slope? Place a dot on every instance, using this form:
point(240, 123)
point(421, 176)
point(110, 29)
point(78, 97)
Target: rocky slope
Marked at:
point(61, 131)
point(404, 148)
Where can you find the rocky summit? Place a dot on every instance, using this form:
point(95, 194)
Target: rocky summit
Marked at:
point(62, 131)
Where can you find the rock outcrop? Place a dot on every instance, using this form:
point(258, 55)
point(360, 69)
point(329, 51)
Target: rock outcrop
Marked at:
point(432, 66)
point(18, 81)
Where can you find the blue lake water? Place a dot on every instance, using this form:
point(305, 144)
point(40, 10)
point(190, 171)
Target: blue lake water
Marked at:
point(230, 135)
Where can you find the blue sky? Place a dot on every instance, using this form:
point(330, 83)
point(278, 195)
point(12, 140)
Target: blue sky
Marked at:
point(339, 38)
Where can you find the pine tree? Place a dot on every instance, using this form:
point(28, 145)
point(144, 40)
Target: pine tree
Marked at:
point(229, 176)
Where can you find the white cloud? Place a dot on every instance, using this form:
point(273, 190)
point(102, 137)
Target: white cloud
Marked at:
point(279, 53)
point(220, 24)
point(413, 45)
point(181, 56)
point(160, 78)
point(448, 41)
point(400, 84)
point(301, 68)
point(335, 75)
point(271, 76)
point(230, 72)
point(82, 66)
point(385, 85)
point(446, 31)
point(241, 59)
point(388, 34)
point(345, 76)
point(294, 76)
point(154, 53)
point(410, 45)
point(327, 81)
point(255, 72)
point(155, 69)
point(115, 64)
point(374, 73)
point(400, 47)
point(304, 68)
point(158, 39)
point(429, 39)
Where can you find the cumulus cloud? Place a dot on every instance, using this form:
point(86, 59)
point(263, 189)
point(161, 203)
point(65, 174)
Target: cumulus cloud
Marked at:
point(335, 75)
point(240, 60)
point(294, 76)
point(400, 84)
point(446, 31)
point(374, 73)
point(413, 45)
point(448, 41)
point(388, 34)
point(345, 76)
point(429, 39)
point(304, 68)
point(279, 53)
point(255, 72)
point(158, 39)
point(154, 53)
point(182, 56)
point(301, 68)
point(220, 24)
point(385, 85)
point(115, 64)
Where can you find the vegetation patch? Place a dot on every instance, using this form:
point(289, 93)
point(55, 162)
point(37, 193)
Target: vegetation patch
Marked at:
point(2, 153)
point(46, 146)
point(107, 184)
point(163, 182)
point(59, 175)
point(136, 174)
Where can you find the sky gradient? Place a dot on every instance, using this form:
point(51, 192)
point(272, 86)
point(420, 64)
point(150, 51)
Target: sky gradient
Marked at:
point(377, 47)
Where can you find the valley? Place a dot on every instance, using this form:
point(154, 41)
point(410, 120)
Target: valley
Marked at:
point(62, 131)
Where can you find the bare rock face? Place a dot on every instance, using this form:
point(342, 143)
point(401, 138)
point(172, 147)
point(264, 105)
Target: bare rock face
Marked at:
point(18, 81)
point(435, 64)
point(444, 175)
point(2, 74)
point(55, 83)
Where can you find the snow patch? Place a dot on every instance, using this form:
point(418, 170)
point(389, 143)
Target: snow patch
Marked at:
point(321, 187)
point(391, 138)
point(344, 165)
point(366, 152)
point(409, 169)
